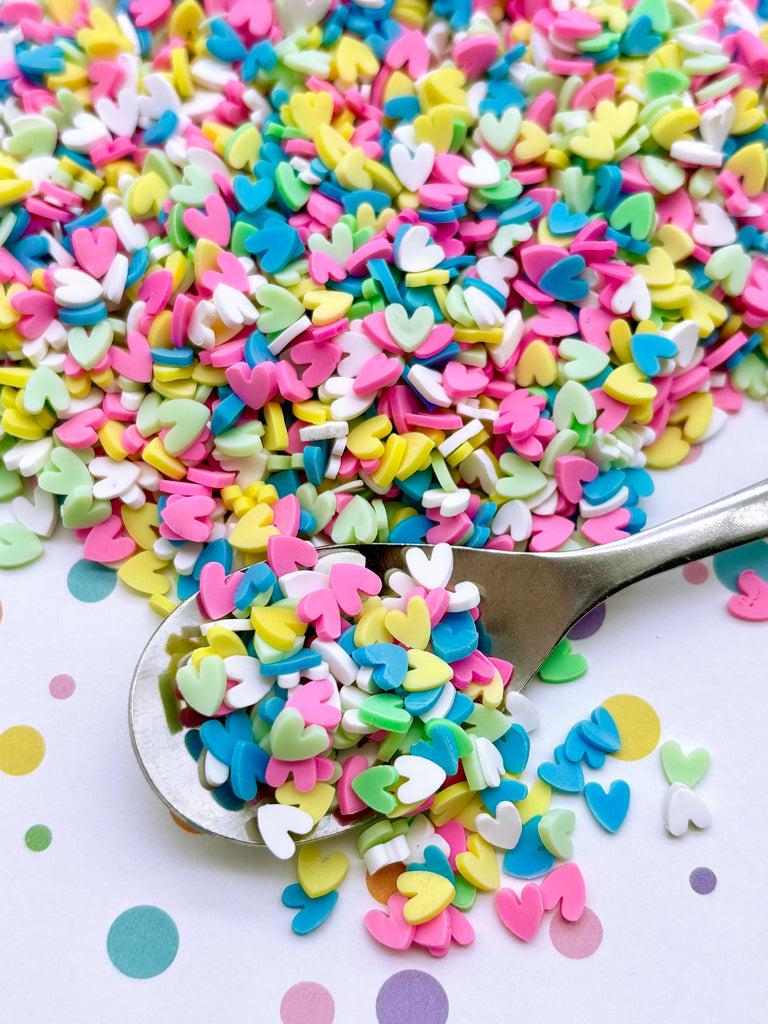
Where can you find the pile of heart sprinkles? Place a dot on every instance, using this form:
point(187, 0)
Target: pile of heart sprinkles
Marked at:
point(322, 689)
point(458, 272)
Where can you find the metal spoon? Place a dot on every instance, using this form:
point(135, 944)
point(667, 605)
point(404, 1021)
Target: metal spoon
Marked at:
point(529, 602)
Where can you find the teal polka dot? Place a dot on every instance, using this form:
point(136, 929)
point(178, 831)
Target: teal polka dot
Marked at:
point(143, 942)
point(729, 565)
point(90, 581)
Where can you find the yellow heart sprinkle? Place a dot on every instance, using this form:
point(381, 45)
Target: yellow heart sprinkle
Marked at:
point(371, 628)
point(436, 128)
point(532, 142)
point(364, 440)
point(617, 120)
point(143, 572)
point(629, 384)
point(318, 877)
point(479, 864)
point(536, 802)
point(449, 802)
point(147, 195)
point(751, 166)
point(254, 529)
point(429, 893)
point(353, 59)
point(412, 627)
point(677, 243)
point(694, 412)
point(278, 625)
point(668, 450)
point(316, 802)
point(309, 110)
point(675, 125)
point(537, 365)
point(327, 306)
point(660, 270)
point(595, 145)
point(426, 671)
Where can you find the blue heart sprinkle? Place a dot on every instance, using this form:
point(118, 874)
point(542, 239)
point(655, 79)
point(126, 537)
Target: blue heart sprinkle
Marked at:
point(440, 748)
point(604, 487)
point(609, 809)
point(257, 579)
point(312, 911)
point(193, 743)
point(422, 701)
point(217, 551)
point(248, 769)
point(220, 736)
point(562, 280)
point(563, 775)
point(388, 661)
point(601, 731)
point(461, 709)
point(639, 39)
point(514, 747)
point(578, 748)
point(507, 791)
point(436, 862)
point(648, 349)
point(270, 708)
point(274, 246)
point(299, 662)
point(608, 181)
point(455, 637)
point(561, 221)
point(252, 195)
point(530, 858)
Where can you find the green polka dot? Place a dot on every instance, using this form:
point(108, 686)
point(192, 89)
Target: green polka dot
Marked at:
point(143, 942)
point(90, 581)
point(38, 838)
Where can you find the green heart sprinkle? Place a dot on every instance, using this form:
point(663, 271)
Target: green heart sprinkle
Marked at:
point(372, 786)
point(356, 523)
point(203, 688)
point(187, 420)
point(563, 665)
point(64, 473)
point(46, 387)
point(554, 831)
point(89, 349)
point(292, 740)
point(18, 545)
point(686, 768)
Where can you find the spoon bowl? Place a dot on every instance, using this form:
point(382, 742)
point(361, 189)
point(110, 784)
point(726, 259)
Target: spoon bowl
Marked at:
point(529, 603)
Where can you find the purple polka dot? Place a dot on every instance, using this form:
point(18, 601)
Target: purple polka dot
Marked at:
point(588, 624)
point(703, 880)
point(307, 1003)
point(411, 997)
point(695, 572)
point(576, 939)
point(61, 687)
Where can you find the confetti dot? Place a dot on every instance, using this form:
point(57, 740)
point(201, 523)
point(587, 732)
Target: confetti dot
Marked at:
point(90, 582)
point(576, 939)
point(22, 748)
point(143, 942)
point(307, 1003)
point(638, 725)
point(703, 880)
point(409, 997)
point(588, 624)
point(61, 687)
point(695, 572)
point(729, 565)
point(38, 838)
point(383, 883)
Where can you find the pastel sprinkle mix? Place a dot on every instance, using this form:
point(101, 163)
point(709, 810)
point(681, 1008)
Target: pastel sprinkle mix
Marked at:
point(385, 708)
point(281, 275)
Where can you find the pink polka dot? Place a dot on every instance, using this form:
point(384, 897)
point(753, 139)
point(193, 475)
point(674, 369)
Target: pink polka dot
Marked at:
point(307, 1003)
point(693, 454)
point(695, 572)
point(576, 939)
point(61, 687)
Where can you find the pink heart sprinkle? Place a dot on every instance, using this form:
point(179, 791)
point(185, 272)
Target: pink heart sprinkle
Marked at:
point(751, 603)
point(564, 885)
point(348, 582)
point(522, 914)
point(94, 249)
point(217, 590)
point(214, 224)
point(286, 554)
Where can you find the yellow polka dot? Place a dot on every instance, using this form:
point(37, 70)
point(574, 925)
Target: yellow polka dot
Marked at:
point(22, 748)
point(638, 725)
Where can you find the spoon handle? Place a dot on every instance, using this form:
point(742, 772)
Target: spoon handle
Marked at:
point(727, 523)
